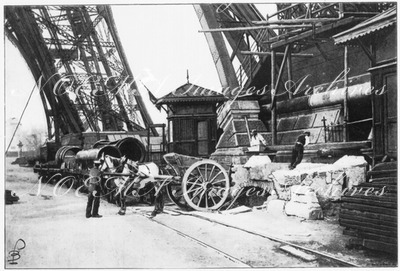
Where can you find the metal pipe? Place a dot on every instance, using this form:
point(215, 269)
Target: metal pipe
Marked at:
point(273, 92)
point(356, 92)
point(276, 53)
point(295, 21)
point(246, 28)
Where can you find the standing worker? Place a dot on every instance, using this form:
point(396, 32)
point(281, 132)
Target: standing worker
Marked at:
point(93, 204)
point(256, 139)
point(298, 149)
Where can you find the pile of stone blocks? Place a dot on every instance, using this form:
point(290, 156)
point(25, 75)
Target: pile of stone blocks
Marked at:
point(304, 203)
point(328, 182)
point(310, 191)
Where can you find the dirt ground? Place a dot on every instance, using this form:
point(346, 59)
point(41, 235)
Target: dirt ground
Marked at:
point(52, 223)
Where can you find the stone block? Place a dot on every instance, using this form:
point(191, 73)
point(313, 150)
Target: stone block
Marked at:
point(286, 124)
point(284, 193)
point(304, 122)
point(276, 206)
point(241, 175)
point(303, 194)
point(236, 109)
point(286, 177)
point(262, 172)
point(245, 105)
point(311, 211)
point(240, 125)
point(355, 175)
point(257, 160)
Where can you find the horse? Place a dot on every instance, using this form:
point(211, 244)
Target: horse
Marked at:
point(136, 178)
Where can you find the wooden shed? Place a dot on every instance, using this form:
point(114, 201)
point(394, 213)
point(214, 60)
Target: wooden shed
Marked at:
point(192, 119)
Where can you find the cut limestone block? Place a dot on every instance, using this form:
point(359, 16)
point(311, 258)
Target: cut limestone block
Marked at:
point(303, 194)
point(262, 172)
point(276, 206)
point(292, 177)
point(355, 168)
point(257, 160)
point(311, 211)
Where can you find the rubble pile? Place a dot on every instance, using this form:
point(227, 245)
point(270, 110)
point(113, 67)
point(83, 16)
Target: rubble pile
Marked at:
point(310, 191)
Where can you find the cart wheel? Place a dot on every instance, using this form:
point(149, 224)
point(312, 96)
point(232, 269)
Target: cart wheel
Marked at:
point(174, 190)
point(205, 185)
point(175, 194)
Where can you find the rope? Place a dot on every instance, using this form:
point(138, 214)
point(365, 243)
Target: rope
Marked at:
point(20, 118)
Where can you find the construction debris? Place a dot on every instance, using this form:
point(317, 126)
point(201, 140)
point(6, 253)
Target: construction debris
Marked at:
point(298, 253)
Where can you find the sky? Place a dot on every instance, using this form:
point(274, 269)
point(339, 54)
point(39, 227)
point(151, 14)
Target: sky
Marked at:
point(161, 42)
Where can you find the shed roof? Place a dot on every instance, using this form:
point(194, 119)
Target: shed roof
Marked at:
point(378, 22)
point(191, 93)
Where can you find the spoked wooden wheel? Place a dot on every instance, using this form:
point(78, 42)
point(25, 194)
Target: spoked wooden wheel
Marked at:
point(205, 185)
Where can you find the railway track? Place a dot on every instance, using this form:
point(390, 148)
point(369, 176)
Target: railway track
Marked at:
point(321, 259)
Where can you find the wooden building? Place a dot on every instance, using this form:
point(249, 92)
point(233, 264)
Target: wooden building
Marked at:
point(373, 220)
point(192, 119)
point(378, 38)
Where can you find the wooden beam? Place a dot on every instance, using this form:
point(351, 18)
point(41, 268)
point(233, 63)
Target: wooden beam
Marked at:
point(345, 102)
point(309, 33)
point(246, 28)
point(276, 53)
point(139, 99)
point(325, 56)
point(282, 66)
point(295, 21)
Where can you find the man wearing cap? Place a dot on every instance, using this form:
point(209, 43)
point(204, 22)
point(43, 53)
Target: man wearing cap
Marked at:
point(93, 204)
point(298, 149)
point(256, 139)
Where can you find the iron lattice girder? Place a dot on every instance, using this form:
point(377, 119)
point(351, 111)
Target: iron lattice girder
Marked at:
point(26, 35)
point(244, 14)
point(71, 42)
point(85, 45)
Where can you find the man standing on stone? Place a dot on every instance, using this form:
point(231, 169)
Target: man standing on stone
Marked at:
point(298, 149)
point(256, 139)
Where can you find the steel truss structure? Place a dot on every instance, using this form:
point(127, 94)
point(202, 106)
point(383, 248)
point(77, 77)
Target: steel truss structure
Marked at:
point(76, 57)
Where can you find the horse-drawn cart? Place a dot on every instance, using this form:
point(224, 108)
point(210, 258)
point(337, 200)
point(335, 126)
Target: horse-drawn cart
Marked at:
point(190, 182)
point(201, 184)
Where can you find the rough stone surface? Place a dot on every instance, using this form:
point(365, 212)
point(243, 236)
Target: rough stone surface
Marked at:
point(226, 156)
point(304, 203)
point(303, 194)
point(311, 211)
point(257, 160)
point(232, 120)
point(326, 180)
point(276, 206)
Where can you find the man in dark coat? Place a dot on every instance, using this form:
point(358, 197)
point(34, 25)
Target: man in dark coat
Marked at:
point(93, 204)
point(298, 149)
